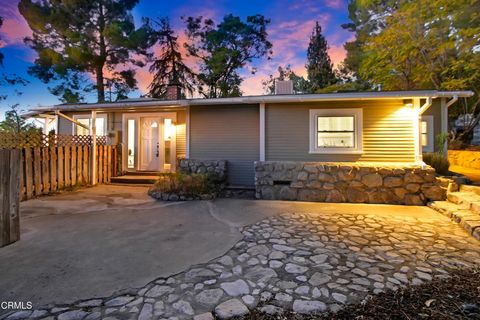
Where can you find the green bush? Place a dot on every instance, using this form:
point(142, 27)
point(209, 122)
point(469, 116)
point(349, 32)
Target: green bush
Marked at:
point(188, 185)
point(437, 161)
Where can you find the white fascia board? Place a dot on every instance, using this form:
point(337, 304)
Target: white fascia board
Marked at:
point(349, 96)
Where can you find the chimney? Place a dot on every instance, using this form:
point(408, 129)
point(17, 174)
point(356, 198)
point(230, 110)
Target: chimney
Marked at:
point(174, 92)
point(283, 87)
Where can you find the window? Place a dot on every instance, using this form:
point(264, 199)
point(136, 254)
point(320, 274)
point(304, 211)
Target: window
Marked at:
point(336, 130)
point(426, 133)
point(101, 124)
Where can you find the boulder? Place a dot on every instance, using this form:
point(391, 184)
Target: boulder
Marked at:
point(372, 180)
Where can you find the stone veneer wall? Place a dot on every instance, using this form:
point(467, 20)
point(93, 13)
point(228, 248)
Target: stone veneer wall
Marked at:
point(204, 166)
point(464, 158)
point(346, 182)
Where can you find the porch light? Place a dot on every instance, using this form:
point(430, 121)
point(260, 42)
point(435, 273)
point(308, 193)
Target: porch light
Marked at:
point(169, 128)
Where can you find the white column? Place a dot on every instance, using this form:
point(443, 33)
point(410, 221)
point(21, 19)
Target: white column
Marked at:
point(416, 130)
point(93, 154)
point(262, 132)
point(444, 122)
point(187, 132)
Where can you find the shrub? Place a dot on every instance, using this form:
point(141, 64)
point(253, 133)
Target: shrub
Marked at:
point(437, 161)
point(193, 185)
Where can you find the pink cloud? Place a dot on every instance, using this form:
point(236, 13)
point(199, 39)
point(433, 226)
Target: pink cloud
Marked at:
point(14, 27)
point(334, 4)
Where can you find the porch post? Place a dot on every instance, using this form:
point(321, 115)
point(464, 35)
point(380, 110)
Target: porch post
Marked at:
point(93, 154)
point(187, 132)
point(416, 131)
point(262, 132)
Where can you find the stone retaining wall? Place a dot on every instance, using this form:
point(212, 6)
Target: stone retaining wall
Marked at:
point(346, 182)
point(464, 158)
point(218, 167)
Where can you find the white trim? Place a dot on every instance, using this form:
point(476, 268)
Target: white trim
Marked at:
point(349, 96)
point(357, 113)
point(430, 134)
point(187, 133)
point(444, 122)
point(137, 117)
point(262, 132)
point(416, 131)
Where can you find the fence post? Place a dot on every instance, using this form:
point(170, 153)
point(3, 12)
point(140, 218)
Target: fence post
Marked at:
point(9, 196)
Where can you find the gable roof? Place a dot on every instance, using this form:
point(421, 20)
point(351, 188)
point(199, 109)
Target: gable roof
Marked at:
point(345, 96)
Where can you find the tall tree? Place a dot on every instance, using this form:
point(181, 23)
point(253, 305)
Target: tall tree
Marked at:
point(168, 67)
point(96, 37)
point(300, 85)
point(319, 66)
point(225, 48)
point(424, 44)
point(14, 123)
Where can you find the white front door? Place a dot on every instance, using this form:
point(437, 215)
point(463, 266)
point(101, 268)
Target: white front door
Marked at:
point(150, 144)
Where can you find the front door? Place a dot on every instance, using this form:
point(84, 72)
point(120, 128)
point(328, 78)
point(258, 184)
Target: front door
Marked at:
point(150, 144)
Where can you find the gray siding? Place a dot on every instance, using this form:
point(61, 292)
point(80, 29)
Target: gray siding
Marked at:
point(227, 133)
point(436, 111)
point(387, 132)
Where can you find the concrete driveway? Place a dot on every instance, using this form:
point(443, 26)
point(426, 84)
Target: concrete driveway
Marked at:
point(99, 241)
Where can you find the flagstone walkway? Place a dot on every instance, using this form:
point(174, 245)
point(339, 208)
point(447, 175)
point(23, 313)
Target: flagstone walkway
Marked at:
point(305, 262)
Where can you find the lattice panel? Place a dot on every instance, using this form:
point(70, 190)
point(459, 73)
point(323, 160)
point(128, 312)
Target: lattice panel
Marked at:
point(35, 139)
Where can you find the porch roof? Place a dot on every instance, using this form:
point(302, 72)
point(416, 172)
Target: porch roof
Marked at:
point(134, 104)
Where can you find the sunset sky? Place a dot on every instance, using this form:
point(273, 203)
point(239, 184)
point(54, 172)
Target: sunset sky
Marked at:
point(291, 24)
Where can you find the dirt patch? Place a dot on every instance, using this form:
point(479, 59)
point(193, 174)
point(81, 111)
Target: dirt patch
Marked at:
point(456, 297)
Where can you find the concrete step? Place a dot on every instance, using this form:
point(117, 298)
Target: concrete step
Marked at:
point(142, 173)
point(466, 218)
point(135, 179)
point(465, 200)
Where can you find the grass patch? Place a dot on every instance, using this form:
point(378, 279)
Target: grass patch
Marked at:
point(183, 186)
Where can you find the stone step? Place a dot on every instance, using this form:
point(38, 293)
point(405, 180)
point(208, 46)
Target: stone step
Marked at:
point(466, 200)
point(467, 219)
point(470, 188)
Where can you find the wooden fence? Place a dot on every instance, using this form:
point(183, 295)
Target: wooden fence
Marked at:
point(10, 176)
point(49, 169)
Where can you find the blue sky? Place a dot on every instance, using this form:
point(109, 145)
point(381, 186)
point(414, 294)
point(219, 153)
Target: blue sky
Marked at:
point(291, 24)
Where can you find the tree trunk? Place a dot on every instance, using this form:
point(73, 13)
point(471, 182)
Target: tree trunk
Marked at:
point(100, 85)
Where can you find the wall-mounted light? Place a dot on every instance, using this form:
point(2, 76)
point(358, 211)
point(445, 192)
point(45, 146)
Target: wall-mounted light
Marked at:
point(168, 127)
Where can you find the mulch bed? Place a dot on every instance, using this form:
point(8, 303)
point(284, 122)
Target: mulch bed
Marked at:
point(456, 297)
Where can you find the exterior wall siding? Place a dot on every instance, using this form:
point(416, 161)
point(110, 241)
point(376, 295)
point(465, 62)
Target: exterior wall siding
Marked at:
point(181, 134)
point(435, 111)
point(387, 132)
point(227, 133)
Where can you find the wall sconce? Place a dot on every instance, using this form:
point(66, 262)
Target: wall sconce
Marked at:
point(168, 127)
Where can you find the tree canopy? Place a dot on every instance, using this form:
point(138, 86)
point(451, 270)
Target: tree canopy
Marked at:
point(423, 44)
point(94, 37)
point(225, 48)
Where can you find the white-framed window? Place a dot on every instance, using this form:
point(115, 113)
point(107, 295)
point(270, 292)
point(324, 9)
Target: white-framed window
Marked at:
point(86, 119)
point(426, 134)
point(336, 130)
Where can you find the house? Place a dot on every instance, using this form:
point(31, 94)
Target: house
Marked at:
point(392, 127)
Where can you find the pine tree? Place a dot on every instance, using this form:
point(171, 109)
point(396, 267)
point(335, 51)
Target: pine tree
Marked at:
point(168, 67)
point(319, 66)
point(90, 37)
